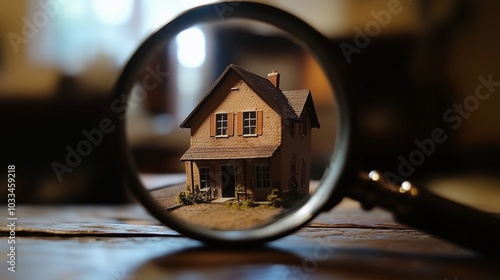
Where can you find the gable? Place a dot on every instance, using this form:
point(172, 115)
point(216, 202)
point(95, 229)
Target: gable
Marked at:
point(302, 99)
point(232, 96)
point(209, 127)
point(262, 86)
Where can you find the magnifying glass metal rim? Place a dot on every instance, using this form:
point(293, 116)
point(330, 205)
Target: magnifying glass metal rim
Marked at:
point(330, 190)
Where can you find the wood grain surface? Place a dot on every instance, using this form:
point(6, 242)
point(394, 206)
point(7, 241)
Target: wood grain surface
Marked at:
point(124, 242)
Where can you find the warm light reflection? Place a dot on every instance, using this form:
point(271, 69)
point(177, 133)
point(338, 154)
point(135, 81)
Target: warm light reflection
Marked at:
point(405, 186)
point(191, 47)
point(113, 12)
point(374, 175)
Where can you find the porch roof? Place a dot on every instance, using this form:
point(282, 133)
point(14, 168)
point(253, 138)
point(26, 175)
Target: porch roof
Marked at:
point(215, 153)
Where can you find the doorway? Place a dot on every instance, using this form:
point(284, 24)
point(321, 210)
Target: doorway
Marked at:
point(228, 180)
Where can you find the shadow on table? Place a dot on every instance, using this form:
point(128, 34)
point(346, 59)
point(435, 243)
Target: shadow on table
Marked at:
point(314, 263)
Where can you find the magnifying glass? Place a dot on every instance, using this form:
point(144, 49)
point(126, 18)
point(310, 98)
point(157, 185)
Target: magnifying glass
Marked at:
point(230, 141)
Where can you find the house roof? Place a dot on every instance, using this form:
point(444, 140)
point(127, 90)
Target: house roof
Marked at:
point(289, 104)
point(300, 99)
point(213, 153)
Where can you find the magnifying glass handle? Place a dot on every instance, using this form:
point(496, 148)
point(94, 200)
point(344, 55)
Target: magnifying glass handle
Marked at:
point(463, 225)
point(423, 210)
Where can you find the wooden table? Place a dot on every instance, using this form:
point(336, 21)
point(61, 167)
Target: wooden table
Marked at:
point(124, 242)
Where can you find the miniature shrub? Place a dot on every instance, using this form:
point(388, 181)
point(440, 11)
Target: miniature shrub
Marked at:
point(277, 203)
point(201, 197)
point(274, 198)
point(247, 203)
point(235, 205)
point(184, 198)
point(188, 198)
point(240, 205)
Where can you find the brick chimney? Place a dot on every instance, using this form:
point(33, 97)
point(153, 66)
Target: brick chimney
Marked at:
point(274, 78)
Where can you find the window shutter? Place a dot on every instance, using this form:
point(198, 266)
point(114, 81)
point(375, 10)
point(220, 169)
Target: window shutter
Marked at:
point(230, 126)
point(239, 121)
point(212, 125)
point(259, 122)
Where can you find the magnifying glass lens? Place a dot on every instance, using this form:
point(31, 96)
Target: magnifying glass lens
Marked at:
point(223, 125)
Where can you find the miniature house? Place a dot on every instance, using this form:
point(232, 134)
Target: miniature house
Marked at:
point(248, 137)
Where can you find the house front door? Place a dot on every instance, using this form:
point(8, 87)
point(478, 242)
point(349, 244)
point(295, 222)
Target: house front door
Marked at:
point(228, 180)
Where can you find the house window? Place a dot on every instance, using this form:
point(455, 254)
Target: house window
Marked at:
point(221, 124)
point(303, 175)
point(261, 176)
point(249, 123)
point(303, 126)
point(204, 177)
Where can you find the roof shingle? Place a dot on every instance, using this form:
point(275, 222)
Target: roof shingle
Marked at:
point(300, 99)
point(214, 153)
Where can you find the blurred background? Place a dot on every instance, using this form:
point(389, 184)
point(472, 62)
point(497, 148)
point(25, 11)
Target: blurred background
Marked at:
point(404, 63)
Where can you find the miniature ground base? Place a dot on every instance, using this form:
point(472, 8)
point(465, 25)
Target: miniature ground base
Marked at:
point(217, 216)
point(166, 196)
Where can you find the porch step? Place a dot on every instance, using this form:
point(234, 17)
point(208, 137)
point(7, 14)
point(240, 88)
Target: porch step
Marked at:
point(222, 200)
